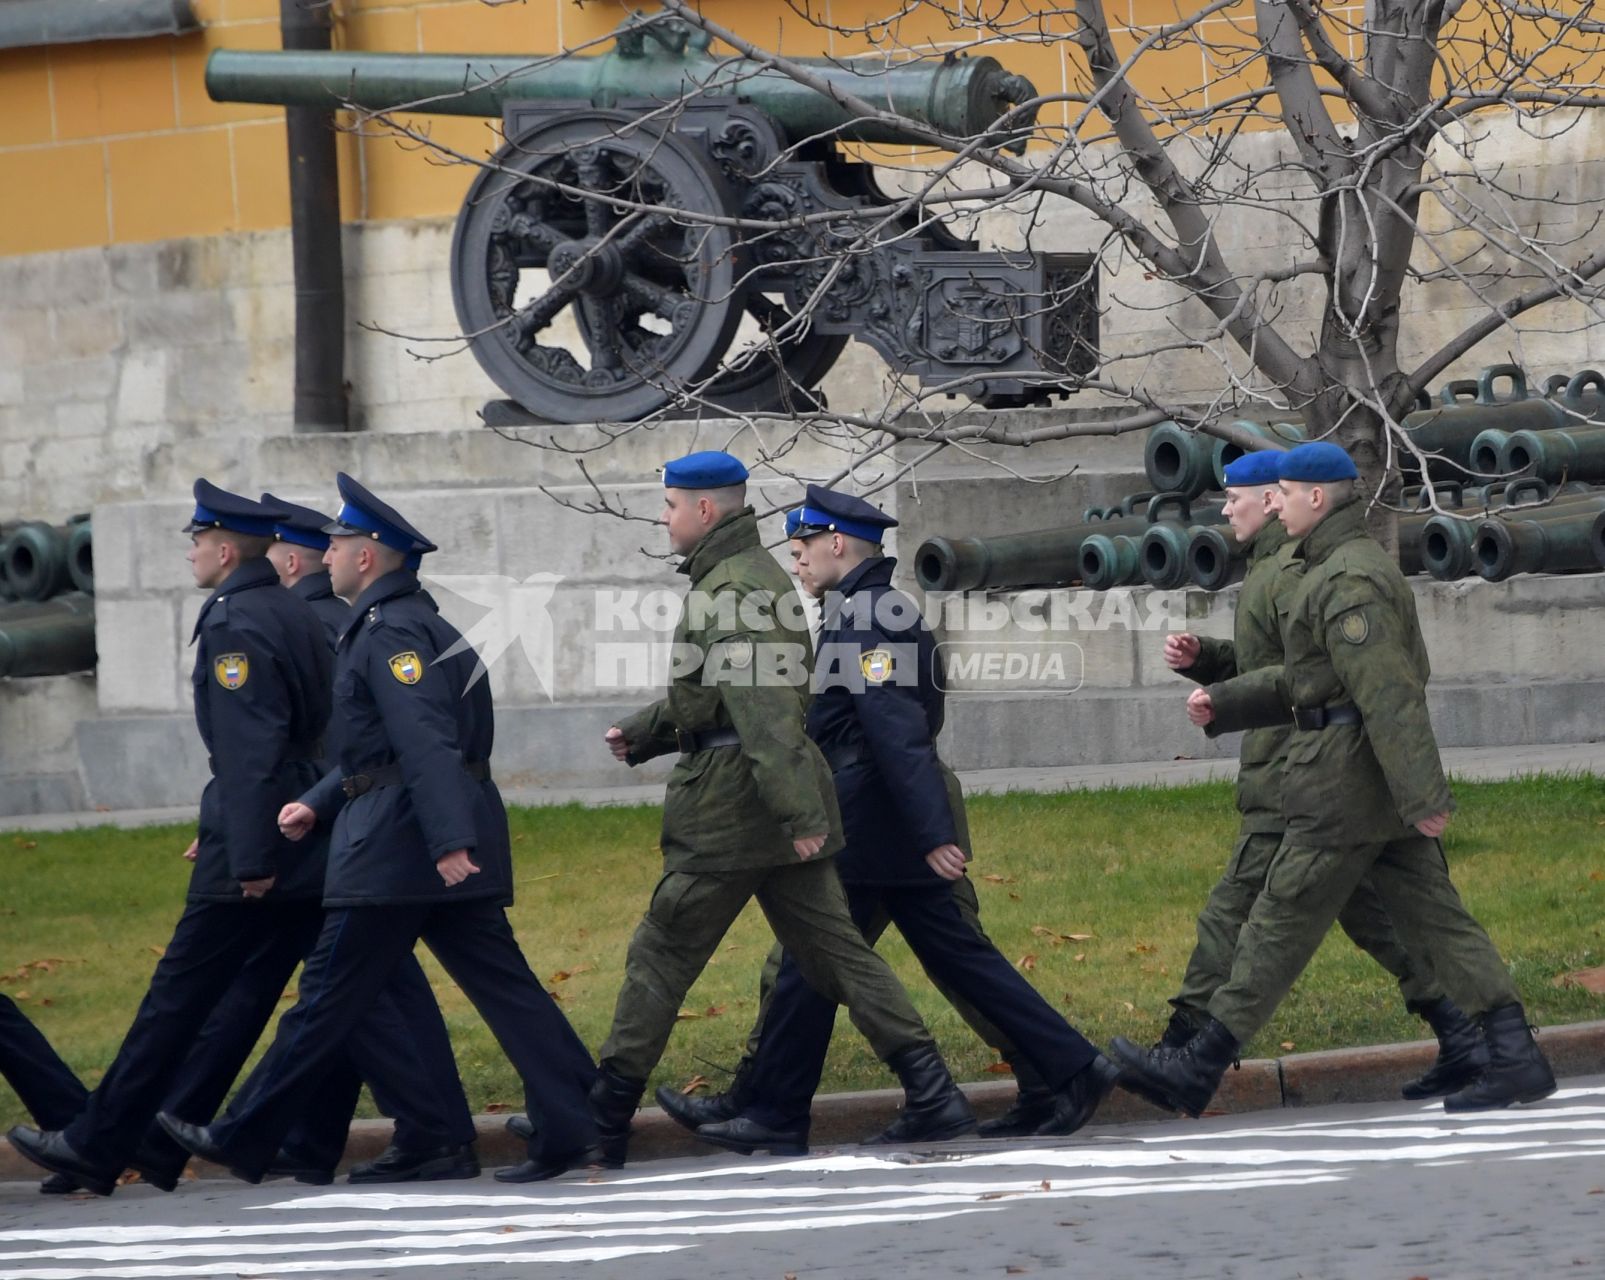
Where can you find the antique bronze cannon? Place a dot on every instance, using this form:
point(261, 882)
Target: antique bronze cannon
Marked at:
point(1049, 557)
point(48, 638)
point(692, 216)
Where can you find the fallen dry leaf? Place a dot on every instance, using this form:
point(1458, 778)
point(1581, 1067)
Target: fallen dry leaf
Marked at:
point(507, 1231)
point(686, 1015)
point(1027, 962)
point(790, 1275)
point(714, 1010)
point(999, 1069)
point(1590, 980)
point(1046, 1185)
point(696, 1082)
point(1016, 1271)
point(1287, 1044)
point(997, 879)
point(290, 993)
point(157, 951)
point(1079, 956)
point(563, 975)
point(498, 1108)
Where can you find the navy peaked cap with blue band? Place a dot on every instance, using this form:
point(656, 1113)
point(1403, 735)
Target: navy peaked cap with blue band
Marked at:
point(363, 516)
point(219, 509)
point(710, 469)
point(1254, 470)
point(1318, 462)
point(826, 511)
point(300, 525)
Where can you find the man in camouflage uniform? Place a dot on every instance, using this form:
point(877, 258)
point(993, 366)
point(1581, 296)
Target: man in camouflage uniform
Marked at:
point(750, 812)
point(1267, 593)
point(1363, 795)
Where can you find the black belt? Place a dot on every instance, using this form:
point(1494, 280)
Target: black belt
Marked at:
point(389, 775)
point(841, 757)
point(1321, 717)
point(294, 754)
point(706, 740)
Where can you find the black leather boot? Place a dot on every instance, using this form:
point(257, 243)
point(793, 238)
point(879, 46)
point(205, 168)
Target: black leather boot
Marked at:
point(1181, 1028)
point(933, 1107)
point(1182, 1079)
point(1517, 1070)
point(1462, 1052)
point(1074, 1104)
point(1033, 1103)
point(614, 1099)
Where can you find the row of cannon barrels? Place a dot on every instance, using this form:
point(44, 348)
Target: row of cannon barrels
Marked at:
point(1490, 426)
point(47, 607)
point(39, 560)
point(1168, 541)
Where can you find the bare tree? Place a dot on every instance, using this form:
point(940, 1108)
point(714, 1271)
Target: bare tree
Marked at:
point(1371, 154)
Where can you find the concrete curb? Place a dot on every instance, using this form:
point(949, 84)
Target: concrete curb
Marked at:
point(1370, 1074)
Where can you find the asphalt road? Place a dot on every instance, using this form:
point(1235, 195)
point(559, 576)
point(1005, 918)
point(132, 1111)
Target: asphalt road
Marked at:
point(1373, 1192)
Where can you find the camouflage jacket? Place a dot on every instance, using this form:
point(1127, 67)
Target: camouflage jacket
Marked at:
point(743, 661)
point(1256, 642)
point(1351, 638)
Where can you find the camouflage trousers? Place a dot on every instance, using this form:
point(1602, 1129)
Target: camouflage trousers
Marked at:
point(1027, 1076)
point(1363, 918)
point(689, 915)
point(1305, 890)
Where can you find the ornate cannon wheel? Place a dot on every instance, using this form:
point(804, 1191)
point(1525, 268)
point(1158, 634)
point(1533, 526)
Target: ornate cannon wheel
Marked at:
point(773, 373)
point(543, 248)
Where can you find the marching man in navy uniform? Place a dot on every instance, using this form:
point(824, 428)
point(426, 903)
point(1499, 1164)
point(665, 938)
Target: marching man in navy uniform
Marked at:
point(876, 712)
point(419, 849)
point(299, 545)
point(262, 696)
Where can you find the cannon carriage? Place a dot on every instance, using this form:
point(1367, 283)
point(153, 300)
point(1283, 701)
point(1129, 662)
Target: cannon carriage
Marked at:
point(695, 218)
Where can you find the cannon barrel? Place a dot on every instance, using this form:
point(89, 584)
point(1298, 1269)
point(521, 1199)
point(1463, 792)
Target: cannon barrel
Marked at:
point(47, 644)
point(1448, 542)
point(1564, 540)
point(33, 560)
point(1043, 557)
point(1108, 561)
point(960, 96)
point(1214, 559)
point(1162, 554)
point(81, 557)
point(1551, 455)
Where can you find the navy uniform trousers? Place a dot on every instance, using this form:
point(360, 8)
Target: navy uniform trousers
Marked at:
point(35, 1071)
point(799, 1023)
point(227, 966)
point(357, 951)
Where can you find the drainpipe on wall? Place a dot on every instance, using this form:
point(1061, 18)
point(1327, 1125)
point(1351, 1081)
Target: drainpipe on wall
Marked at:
point(320, 310)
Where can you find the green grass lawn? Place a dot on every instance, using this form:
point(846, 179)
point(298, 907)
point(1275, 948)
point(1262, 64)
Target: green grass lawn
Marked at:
point(83, 916)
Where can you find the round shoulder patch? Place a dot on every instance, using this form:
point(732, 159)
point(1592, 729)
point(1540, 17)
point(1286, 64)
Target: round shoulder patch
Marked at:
point(738, 652)
point(877, 665)
point(1354, 628)
point(232, 670)
point(407, 667)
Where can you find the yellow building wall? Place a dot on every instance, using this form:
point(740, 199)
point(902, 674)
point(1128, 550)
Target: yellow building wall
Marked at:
point(117, 142)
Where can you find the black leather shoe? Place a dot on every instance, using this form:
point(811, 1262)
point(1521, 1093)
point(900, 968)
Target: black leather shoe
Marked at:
point(550, 1167)
point(286, 1165)
point(1075, 1104)
point(197, 1140)
point(1031, 1109)
point(49, 1149)
point(691, 1112)
point(748, 1136)
point(435, 1164)
point(520, 1127)
point(58, 1184)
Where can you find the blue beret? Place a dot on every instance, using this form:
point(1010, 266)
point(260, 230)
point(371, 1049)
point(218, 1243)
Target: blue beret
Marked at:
point(219, 509)
point(793, 520)
point(826, 511)
point(710, 469)
point(1254, 470)
point(1316, 463)
point(301, 525)
point(362, 515)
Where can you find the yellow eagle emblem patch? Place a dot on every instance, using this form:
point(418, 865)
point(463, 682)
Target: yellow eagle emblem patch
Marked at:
point(407, 667)
point(232, 670)
point(877, 665)
point(1355, 628)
